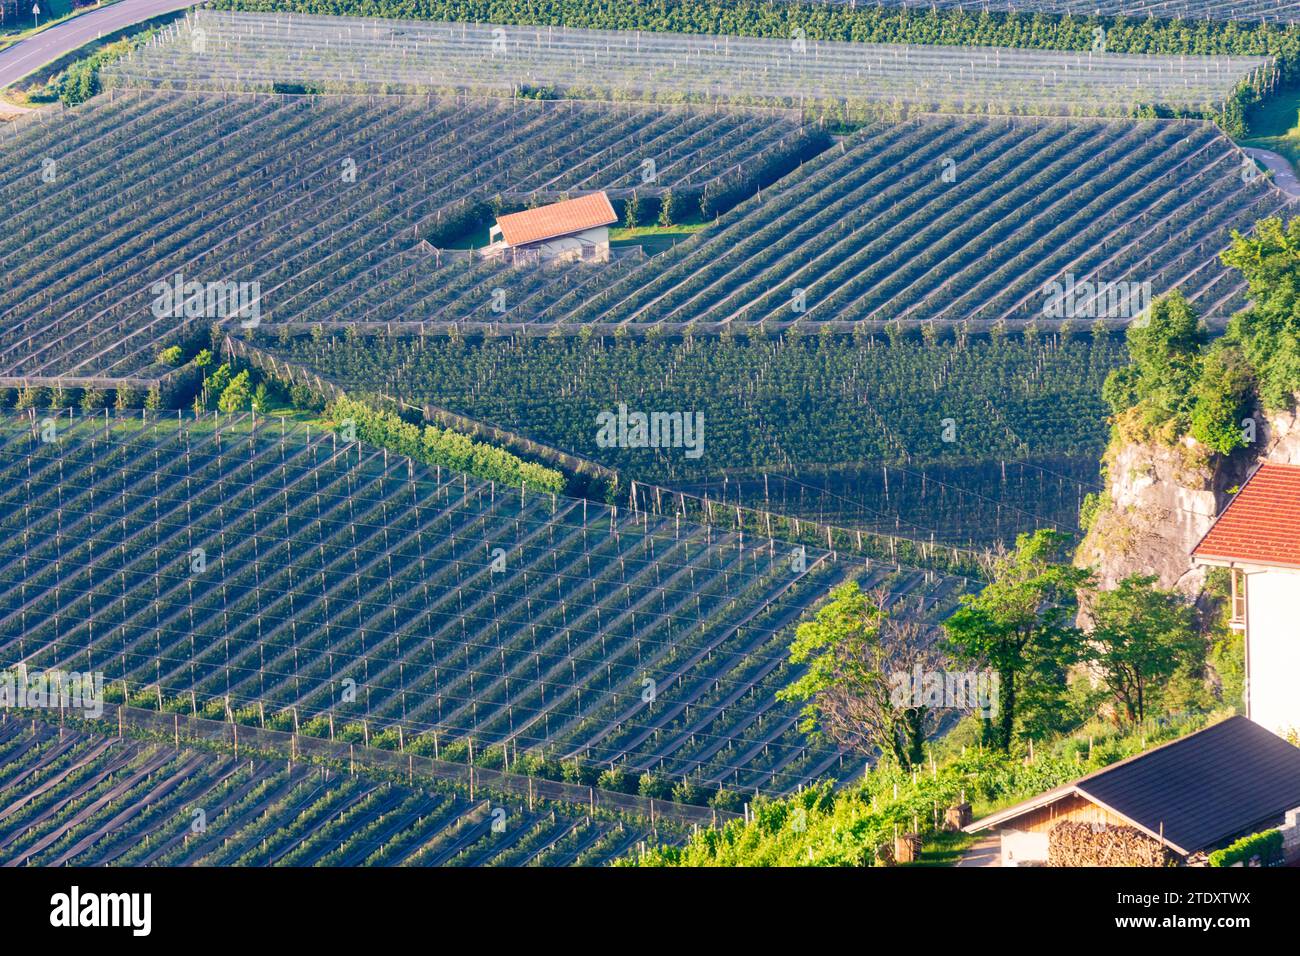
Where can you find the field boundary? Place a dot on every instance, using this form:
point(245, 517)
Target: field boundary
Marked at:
point(929, 557)
point(185, 729)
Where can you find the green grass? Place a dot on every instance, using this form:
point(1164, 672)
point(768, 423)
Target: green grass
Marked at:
point(943, 849)
point(51, 12)
point(655, 239)
point(476, 239)
point(1275, 125)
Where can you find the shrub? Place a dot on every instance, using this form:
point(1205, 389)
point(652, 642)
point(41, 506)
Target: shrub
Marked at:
point(92, 400)
point(300, 396)
point(1089, 509)
point(687, 791)
point(655, 785)
point(616, 778)
point(574, 771)
point(236, 395)
point(666, 209)
point(726, 799)
point(439, 446)
point(126, 397)
point(1219, 400)
point(1267, 846)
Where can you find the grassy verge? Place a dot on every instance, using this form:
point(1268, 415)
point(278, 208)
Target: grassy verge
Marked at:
point(1275, 125)
point(858, 824)
point(52, 12)
point(944, 849)
point(73, 77)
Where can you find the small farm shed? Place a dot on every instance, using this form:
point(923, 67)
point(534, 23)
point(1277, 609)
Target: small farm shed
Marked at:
point(572, 229)
point(1172, 803)
point(1257, 537)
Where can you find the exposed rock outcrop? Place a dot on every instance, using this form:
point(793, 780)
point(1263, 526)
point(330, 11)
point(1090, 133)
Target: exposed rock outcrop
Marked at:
point(1160, 499)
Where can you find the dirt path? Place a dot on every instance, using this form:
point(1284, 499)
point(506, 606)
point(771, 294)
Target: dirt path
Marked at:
point(986, 851)
point(1283, 175)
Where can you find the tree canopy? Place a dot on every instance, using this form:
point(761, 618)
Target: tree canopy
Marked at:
point(1267, 332)
point(1022, 626)
point(853, 650)
point(1178, 383)
point(1140, 636)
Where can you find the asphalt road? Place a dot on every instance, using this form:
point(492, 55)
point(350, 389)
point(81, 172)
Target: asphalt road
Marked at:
point(35, 52)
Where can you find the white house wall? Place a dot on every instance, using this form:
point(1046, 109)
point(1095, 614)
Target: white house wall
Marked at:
point(574, 244)
point(1273, 654)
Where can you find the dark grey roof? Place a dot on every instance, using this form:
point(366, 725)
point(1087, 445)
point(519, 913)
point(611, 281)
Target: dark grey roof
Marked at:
point(1232, 778)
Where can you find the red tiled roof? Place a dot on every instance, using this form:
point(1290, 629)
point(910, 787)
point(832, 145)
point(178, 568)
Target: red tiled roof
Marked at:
point(1261, 524)
point(557, 219)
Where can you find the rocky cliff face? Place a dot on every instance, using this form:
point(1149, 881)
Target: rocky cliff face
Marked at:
point(1161, 499)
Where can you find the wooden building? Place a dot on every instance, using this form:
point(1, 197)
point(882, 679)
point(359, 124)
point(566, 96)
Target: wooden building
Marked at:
point(1173, 803)
point(575, 229)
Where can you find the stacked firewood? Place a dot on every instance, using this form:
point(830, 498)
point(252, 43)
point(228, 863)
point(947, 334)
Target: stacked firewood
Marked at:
point(1089, 844)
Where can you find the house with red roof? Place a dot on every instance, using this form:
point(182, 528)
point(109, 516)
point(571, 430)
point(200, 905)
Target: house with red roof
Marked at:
point(1257, 537)
point(575, 229)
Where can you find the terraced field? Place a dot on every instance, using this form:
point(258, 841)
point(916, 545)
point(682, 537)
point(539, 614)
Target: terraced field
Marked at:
point(328, 204)
point(844, 429)
point(284, 577)
point(958, 220)
point(73, 798)
point(978, 504)
point(940, 220)
point(223, 50)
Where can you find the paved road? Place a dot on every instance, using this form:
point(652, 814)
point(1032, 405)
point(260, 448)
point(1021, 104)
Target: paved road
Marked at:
point(35, 52)
point(1283, 175)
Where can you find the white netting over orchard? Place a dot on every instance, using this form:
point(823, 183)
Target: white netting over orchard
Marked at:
point(217, 50)
point(1243, 11)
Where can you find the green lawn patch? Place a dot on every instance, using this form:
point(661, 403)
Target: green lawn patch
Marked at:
point(944, 849)
point(1275, 125)
point(655, 239)
point(475, 239)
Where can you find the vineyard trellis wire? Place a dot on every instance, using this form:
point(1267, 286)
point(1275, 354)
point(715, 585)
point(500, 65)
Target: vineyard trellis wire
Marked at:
point(345, 195)
point(771, 406)
point(659, 500)
point(226, 50)
point(286, 802)
point(1241, 11)
point(333, 569)
point(890, 227)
